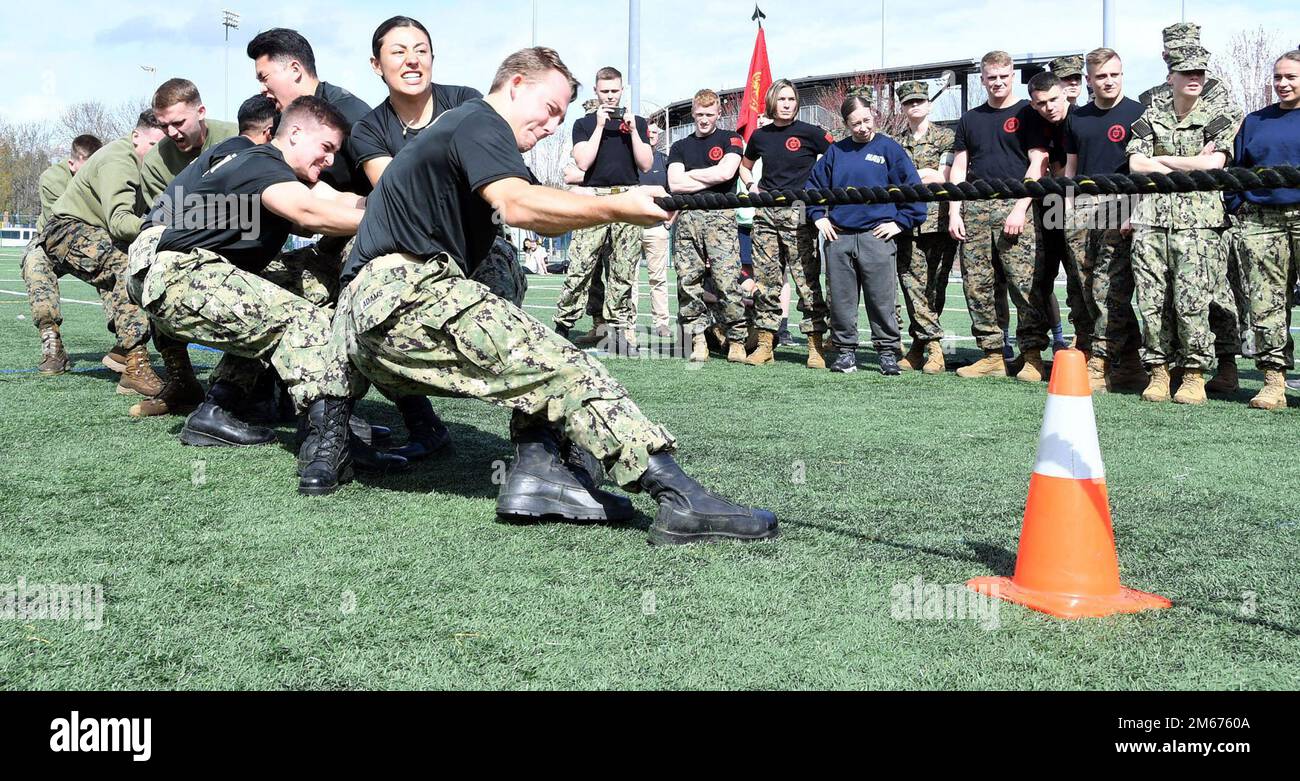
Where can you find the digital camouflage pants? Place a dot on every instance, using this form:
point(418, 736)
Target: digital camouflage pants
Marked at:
point(1268, 247)
point(422, 328)
point(987, 251)
point(69, 246)
point(924, 263)
point(706, 244)
point(782, 240)
point(1174, 272)
point(198, 297)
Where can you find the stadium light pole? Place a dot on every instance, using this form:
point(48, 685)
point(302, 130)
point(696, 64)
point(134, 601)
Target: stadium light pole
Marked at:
point(634, 52)
point(534, 22)
point(882, 34)
point(1107, 23)
point(230, 21)
point(153, 76)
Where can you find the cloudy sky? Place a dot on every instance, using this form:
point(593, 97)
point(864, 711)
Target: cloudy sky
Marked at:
point(70, 50)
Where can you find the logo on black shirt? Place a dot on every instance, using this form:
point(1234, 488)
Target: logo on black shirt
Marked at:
point(793, 144)
point(715, 153)
point(1117, 133)
point(1011, 125)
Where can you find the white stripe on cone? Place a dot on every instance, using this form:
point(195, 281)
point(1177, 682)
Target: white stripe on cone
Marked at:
point(1067, 445)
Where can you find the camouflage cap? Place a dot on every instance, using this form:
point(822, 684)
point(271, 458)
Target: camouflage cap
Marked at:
point(1181, 34)
point(1188, 58)
point(590, 104)
point(1064, 67)
point(864, 91)
point(912, 90)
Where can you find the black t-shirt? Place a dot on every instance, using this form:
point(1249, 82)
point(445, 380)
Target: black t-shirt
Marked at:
point(214, 220)
point(345, 174)
point(694, 152)
point(381, 134)
point(997, 141)
point(614, 166)
point(1055, 135)
point(165, 206)
point(788, 153)
point(658, 173)
point(427, 200)
point(1100, 136)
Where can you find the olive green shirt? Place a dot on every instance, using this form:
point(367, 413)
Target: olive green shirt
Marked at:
point(932, 150)
point(1159, 132)
point(105, 192)
point(53, 182)
point(164, 162)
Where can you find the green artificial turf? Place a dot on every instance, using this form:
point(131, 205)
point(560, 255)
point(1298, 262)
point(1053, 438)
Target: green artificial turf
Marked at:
point(218, 575)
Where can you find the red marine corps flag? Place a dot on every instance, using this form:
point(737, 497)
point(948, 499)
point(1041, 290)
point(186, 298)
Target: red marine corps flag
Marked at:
point(756, 86)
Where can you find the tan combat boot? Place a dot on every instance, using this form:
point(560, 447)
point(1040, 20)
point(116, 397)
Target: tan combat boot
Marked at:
point(1098, 369)
point(991, 365)
point(816, 353)
point(54, 359)
point(181, 394)
point(1033, 369)
point(1225, 380)
point(115, 359)
point(1158, 388)
point(1273, 394)
point(1192, 389)
point(914, 359)
point(736, 352)
point(699, 348)
point(763, 353)
point(138, 376)
point(934, 363)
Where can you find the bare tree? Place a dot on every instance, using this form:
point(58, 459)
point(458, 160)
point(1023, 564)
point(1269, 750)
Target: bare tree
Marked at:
point(1246, 68)
point(548, 159)
point(25, 153)
point(889, 119)
point(100, 120)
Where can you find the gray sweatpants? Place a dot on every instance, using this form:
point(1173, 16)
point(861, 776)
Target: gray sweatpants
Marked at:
point(860, 260)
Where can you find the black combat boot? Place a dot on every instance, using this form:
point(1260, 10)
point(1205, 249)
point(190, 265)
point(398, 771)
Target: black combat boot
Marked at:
point(427, 434)
point(212, 425)
point(370, 433)
point(325, 459)
point(365, 456)
point(689, 513)
point(540, 483)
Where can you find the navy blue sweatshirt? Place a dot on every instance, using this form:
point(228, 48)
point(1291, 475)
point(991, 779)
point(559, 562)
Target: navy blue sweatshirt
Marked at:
point(1270, 136)
point(878, 163)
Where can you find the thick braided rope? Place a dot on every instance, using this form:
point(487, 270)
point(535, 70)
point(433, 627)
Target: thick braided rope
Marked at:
point(1220, 180)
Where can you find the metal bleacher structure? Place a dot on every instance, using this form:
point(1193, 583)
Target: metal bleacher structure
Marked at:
point(678, 113)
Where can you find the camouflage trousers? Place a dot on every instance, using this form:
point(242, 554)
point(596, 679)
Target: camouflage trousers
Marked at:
point(988, 251)
point(706, 244)
point(312, 272)
point(1231, 297)
point(422, 328)
point(1174, 272)
point(924, 263)
point(783, 241)
point(624, 256)
point(198, 297)
point(43, 292)
point(1268, 247)
point(69, 246)
point(1108, 290)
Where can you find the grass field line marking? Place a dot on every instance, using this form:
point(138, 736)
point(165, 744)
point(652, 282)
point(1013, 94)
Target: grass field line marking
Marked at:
point(69, 300)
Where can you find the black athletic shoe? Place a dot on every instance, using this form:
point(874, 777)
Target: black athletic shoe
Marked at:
point(563, 330)
point(784, 339)
point(889, 364)
point(845, 362)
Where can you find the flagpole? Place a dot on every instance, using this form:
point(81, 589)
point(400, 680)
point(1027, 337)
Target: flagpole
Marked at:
point(634, 53)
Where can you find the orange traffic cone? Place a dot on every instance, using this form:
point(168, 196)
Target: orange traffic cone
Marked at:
point(1067, 564)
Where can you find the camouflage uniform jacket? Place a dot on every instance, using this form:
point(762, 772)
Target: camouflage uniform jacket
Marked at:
point(1159, 132)
point(932, 150)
